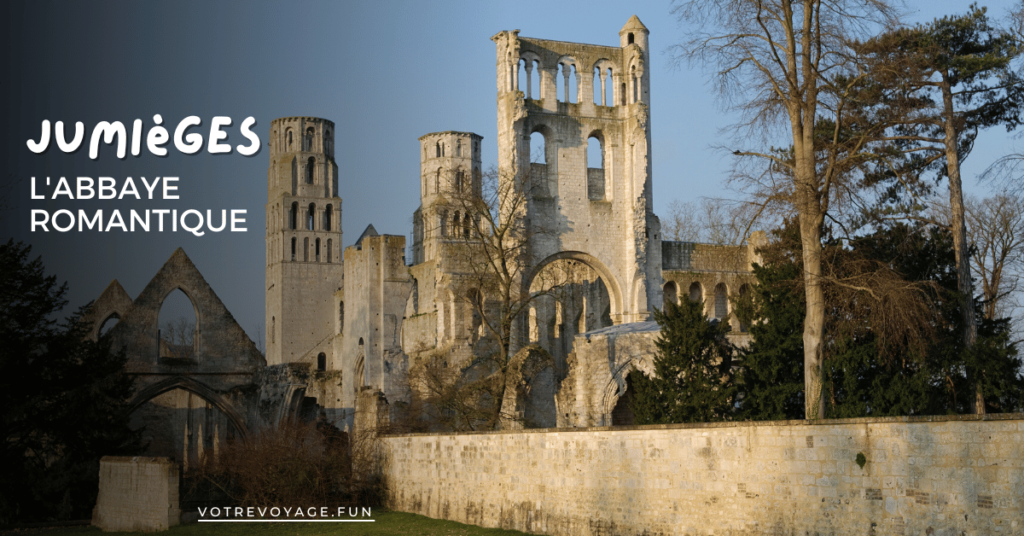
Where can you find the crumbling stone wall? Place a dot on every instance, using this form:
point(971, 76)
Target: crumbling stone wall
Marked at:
point(920, 475)
point(598, 368)
point(189, 405)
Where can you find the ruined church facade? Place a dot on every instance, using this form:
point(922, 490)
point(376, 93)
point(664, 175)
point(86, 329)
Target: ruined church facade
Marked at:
point(597, 215)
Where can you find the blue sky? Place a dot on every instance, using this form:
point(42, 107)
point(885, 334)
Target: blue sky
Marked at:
point(384, 72)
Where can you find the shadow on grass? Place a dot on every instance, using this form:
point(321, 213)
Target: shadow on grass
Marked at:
point(385, 524)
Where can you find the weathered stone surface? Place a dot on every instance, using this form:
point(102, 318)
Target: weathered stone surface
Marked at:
point(598, 368)
point(137, 494)
point(925, 475)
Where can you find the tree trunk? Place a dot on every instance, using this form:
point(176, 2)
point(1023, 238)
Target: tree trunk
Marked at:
point(814, 322)
point(959, 229)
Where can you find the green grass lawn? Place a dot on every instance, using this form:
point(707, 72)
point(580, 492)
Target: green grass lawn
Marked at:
point(386, 523)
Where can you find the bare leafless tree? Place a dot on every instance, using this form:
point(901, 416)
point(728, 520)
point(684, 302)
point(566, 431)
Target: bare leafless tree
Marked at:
point(179, 335)
point(487, 255)
point(995, 226)
point(785, 64)
point(720, 222)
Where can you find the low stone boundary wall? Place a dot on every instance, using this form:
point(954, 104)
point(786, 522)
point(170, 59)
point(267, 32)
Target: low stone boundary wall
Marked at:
point(137, 494)
point(924, 475)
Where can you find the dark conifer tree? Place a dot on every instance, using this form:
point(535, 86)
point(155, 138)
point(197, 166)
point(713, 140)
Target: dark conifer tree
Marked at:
point(693, 370)
point(63, 398)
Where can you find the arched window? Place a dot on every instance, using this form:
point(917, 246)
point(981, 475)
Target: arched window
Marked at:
point(460, 177)
point(538, 148)
point(295, 175)
point(305, 249)
point(721, 301)
point(696, 292)
point(438, 147)
point(293, 249)
point(437, 181)
point(444, 223)
point(328, 142)
point(455, 225)
point(670, 293)
point(466, 226)
point(289, 139)
point(629, 38)
point(317, 250)
point(330, 250)
point(341, 317)
point(310, 168)
point(310, 213)
point(458, 148)
point(178, 323)
point(596, 172)
point(321, 361)
point(327, 217)
point(293, 216)
point(109, 324)
point(595, 152)
point(598, 87)
point(307, 140)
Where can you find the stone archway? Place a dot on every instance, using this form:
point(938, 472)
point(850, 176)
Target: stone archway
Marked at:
point(188, 384)
point(611, 283)
point(181, 418)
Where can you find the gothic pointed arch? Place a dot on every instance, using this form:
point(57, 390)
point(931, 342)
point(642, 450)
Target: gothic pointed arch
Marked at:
point(190, 384)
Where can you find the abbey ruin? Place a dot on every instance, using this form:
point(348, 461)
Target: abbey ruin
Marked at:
point(578, 266)
point(340, 322)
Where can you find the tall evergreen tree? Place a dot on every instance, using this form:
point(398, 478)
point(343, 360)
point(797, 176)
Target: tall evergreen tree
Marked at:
point(866, 372)
point(63, 398)
point(693, 370)
point(937, 85)
point(771, 366)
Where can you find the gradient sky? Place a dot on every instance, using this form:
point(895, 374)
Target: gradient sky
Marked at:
point(384, 72)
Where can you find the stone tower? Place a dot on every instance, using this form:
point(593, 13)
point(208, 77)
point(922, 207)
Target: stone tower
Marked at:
point(564, 96)
point(449, 166)
point(304, 254)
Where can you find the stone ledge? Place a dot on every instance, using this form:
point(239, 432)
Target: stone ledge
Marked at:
point(736, 424)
